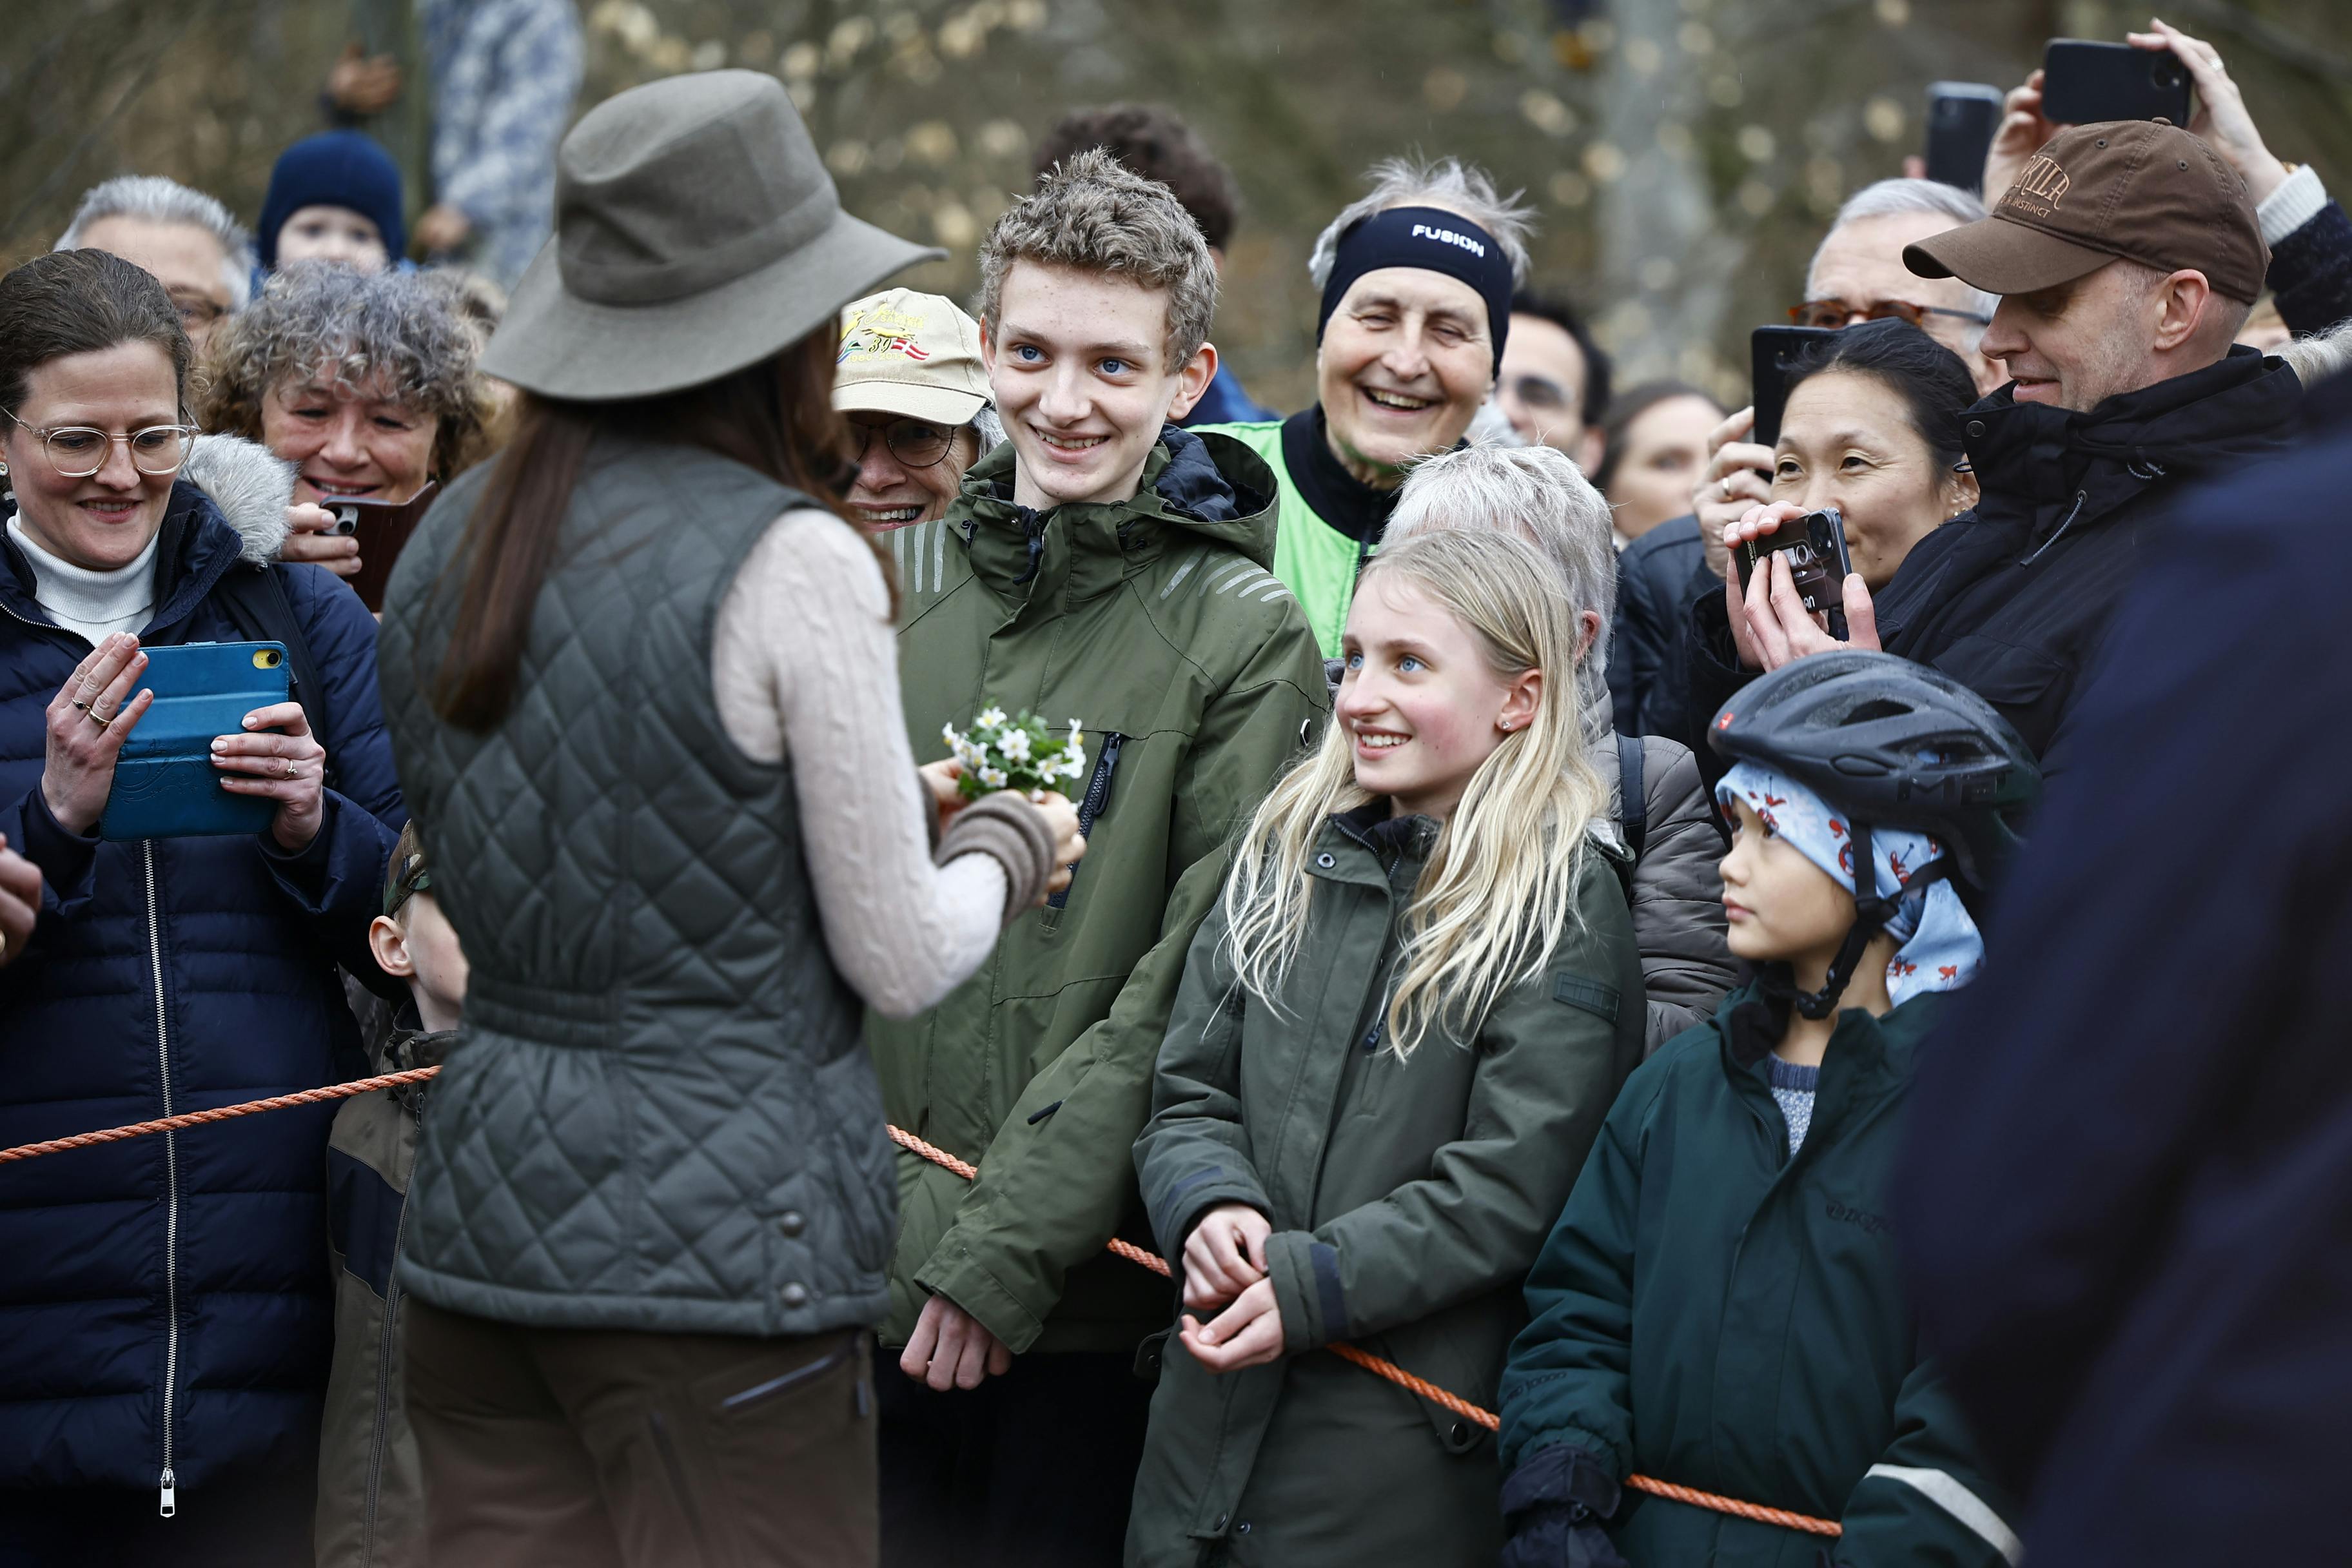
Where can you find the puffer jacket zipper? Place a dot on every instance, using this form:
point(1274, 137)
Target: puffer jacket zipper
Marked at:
point(1091, 804)
point(168, 1502)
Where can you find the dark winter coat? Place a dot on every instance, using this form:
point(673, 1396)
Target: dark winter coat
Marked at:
point(2311, 273)
point(2014, 599)
point(1658, 575)
point(1675, 890)
point(166, 1305)
point(2129, 1200)
point(1712, 1311)
point(1407, 1200)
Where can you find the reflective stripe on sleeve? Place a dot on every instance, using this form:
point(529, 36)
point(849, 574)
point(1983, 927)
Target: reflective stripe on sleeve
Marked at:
point(1962, 1504)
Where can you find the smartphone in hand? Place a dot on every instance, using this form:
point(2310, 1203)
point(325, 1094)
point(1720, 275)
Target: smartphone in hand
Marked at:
point(165, 786)
point(1817, 562)
point(1962, 117)
point(1770, 351)
point(382, 529)
point(2083, 81)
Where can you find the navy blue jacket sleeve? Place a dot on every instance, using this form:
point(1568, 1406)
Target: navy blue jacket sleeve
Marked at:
point(64, 857)
point(2157, 922)
point(2311, 273)
point(340, 875)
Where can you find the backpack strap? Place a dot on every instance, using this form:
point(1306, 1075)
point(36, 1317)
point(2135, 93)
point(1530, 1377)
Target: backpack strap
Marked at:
point(1634, 814)
point(255, 598)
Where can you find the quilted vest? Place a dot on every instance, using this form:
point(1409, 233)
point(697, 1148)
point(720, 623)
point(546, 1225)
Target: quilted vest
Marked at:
point(656, 1115)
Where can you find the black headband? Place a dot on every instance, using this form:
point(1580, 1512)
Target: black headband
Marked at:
point(1434, 241)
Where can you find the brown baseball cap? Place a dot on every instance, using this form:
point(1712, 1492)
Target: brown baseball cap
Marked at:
point(2144, 190)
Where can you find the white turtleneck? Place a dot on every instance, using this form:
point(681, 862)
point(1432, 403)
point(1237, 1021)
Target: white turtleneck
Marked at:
point(94, 604)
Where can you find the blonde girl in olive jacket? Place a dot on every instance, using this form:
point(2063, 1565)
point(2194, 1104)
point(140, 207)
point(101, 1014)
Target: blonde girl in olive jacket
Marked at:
point(1394, 1043)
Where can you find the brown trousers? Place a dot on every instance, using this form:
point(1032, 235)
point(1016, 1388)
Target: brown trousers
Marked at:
point(596, 1449)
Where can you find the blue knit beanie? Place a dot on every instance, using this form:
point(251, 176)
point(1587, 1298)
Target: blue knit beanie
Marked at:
point(333, 168)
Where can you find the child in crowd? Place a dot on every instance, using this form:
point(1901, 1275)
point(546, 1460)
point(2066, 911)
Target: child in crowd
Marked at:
point(1396, 1039)
point(1720, 1306)
point(370, 1496)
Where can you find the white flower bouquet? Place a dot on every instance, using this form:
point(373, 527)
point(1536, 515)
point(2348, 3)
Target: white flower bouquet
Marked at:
point(1019, 753)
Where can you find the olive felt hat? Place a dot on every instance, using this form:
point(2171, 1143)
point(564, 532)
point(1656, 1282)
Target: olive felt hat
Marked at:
point(2140, 190)
point(695, 232)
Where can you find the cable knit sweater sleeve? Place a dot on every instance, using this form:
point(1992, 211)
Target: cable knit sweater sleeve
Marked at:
point(806, 662)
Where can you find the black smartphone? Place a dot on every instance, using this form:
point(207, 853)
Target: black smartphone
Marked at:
point(1962, 117)
point(1770, 350)
point(382, 529)
point(1818, 562)
point(2084, 80)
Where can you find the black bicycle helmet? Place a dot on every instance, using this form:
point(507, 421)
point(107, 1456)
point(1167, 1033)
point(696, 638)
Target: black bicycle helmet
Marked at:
point(1892, 744)
point(1888, 743)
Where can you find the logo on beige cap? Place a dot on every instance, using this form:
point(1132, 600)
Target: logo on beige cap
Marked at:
point(883, 334)
point(2040, 188)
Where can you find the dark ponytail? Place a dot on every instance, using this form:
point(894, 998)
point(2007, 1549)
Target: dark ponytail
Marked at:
point(1930, 381)
point(775, 416)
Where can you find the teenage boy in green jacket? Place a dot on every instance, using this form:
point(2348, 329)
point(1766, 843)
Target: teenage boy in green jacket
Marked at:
point(1720, 1306)
point(1105, 568)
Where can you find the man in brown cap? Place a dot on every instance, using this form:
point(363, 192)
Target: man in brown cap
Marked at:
point(2126, 256)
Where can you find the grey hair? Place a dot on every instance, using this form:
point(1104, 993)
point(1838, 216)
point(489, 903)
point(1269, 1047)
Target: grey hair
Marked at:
point(987, 430)
point(1540, 494)
point(151, 198)
point(2324, 354)
point(1417, 181)
point(1906, 198)
point(1092, 213)
point(346, 328)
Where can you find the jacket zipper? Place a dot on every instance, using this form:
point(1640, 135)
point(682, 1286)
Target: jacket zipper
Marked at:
point(168, 1487)
point(385, 1341)
point(1091, 804)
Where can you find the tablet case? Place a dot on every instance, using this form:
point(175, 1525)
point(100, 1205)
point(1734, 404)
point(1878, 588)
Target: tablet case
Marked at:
point(165, 786)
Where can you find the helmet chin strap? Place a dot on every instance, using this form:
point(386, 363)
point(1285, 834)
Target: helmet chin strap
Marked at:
point(1871, 913)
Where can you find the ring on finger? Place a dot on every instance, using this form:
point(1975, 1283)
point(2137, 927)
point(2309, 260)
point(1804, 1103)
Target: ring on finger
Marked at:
point(285, 768)
point(81, 705)
point(98, 719)
point(1724, 485)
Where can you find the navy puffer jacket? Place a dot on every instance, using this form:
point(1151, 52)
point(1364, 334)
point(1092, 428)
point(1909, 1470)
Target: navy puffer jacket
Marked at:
point(164, 1302)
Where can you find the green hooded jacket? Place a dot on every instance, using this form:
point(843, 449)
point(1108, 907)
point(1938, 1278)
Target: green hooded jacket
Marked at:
point(1407, 1199)
point(1714, 1312)
point(1157, 625)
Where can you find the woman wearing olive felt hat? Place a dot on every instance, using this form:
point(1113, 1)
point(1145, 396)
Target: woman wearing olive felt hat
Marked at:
point(639, 674)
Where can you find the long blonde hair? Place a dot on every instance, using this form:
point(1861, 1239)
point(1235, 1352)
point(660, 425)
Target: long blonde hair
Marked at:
point(1499, 890)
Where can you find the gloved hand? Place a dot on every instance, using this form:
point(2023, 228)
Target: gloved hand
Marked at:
point(1553, 1506)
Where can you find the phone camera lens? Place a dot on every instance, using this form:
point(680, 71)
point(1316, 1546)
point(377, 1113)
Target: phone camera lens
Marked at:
point(2167, 75)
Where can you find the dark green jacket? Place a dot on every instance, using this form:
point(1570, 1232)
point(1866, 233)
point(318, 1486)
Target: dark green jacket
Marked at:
point(657, 1117)
point(1713, 1312)
point(1156, 623)
point(1407, 1198)
point(370, 1489)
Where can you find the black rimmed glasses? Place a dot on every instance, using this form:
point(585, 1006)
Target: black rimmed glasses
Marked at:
point(1837, 314)
point(915, 443)
point(79, 452)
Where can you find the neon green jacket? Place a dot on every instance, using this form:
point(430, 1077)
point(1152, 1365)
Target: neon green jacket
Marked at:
point(1317, 561)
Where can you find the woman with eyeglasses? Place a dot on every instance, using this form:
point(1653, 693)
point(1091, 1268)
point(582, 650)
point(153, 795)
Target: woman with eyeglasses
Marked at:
point(910, 384)
point(169, 1315)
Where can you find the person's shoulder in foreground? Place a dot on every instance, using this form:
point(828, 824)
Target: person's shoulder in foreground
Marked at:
point(2152, 1100)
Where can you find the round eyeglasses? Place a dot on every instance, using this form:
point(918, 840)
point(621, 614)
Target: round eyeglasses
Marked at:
point(79, 452)
point(915, 443)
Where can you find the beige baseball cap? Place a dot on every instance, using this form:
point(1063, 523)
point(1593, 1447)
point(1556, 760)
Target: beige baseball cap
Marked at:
point(912, 355)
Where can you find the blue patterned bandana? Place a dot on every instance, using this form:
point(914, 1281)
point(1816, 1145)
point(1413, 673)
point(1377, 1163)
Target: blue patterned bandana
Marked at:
point(1939, 948)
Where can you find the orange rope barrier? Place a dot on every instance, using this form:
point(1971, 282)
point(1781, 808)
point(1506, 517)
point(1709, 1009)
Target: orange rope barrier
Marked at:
point(218, 1113)
point(1422, 1386)
point(945, 1161)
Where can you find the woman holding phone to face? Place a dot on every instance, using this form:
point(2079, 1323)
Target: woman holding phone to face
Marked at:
point(172, 1285)
point(364, 382)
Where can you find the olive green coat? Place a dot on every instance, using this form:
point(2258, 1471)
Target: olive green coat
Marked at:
point(1408, 1200)
point(1156, 623)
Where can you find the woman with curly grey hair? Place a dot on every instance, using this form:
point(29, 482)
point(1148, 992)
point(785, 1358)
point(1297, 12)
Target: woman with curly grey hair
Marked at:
point(364, 382)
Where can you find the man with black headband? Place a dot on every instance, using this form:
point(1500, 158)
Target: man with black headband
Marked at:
point(1417, 278)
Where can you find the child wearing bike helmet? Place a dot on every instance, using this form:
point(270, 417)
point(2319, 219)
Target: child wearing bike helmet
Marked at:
point(1720, 1307)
